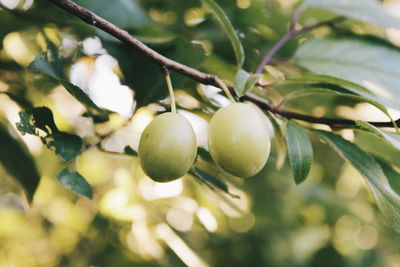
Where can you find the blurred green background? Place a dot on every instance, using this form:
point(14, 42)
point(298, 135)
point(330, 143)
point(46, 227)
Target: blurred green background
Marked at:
point(330, 220)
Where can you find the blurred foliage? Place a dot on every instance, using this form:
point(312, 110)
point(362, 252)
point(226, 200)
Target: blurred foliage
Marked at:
point(207, 218)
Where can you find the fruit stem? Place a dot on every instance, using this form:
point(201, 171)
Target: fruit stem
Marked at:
point(222, 85)
point(170, 89)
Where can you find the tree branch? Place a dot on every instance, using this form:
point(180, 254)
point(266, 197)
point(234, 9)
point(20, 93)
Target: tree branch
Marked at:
point(292, 33)
point(92, 19)
point(344, 123)
point(205, 78)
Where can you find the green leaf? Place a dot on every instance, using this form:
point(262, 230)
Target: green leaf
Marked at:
point(299, 150)
point(209, 179)
point(278, 141)
point(370, 64)
point(18, 162)
point(224, 22)
point(67, 146)
point(369, 11)
point(313, 91)
point(244, 82)
point(204, 154)
point(129, 151)
point(42, 65)
point(123, 13)
point(25, 126)
point(373, 144)
point(320, 80)
point(392, 175)
point(75, 182)
point(387, 200)
point(80, 95)
point(392, 138)
point(240, 81)
point(251, 82)
point(43, 119)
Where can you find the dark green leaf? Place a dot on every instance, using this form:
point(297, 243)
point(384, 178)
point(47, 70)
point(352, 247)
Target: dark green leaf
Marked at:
point(22, 102)
point(75, 182)
point(299, 150)
point(373, 65)
point(204, 154)
point(129, 151)
point(17, 161)
point(42, 65)
point(369, 11)
point(67, 146)
point(209, 179)
point(123, 13)
point(224, 22)
point(25, 126)
point(43, 119)
point(387, 200)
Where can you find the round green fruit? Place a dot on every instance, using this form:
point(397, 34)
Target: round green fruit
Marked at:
point(238, 139)
point(167, 147)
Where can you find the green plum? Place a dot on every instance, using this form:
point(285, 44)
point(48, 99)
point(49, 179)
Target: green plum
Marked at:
point(167, 147)
point(238, 139)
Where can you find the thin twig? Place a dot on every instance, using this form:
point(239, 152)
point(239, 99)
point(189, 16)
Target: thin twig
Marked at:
point(292, 33)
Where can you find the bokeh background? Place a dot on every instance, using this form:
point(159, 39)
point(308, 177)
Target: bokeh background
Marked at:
point(330, 220)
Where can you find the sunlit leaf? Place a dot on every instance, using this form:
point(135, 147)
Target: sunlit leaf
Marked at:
point(387, 200)
point(369, 11)
point(42, 65)
point(314, 91)
point(224, 22)
point(75, 182)
point(244, 82)
point(240, 81)
point(320, 80)
point(17, 161)
point(300, 151)
point(372, 64)
point(392, 138)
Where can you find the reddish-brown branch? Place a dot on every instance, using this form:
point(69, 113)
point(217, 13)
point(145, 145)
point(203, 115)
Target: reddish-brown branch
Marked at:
point(205, 78)
point(303, 117)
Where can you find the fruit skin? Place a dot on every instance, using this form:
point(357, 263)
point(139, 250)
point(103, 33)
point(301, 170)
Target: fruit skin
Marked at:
point(167, 147)
point(238, 139)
